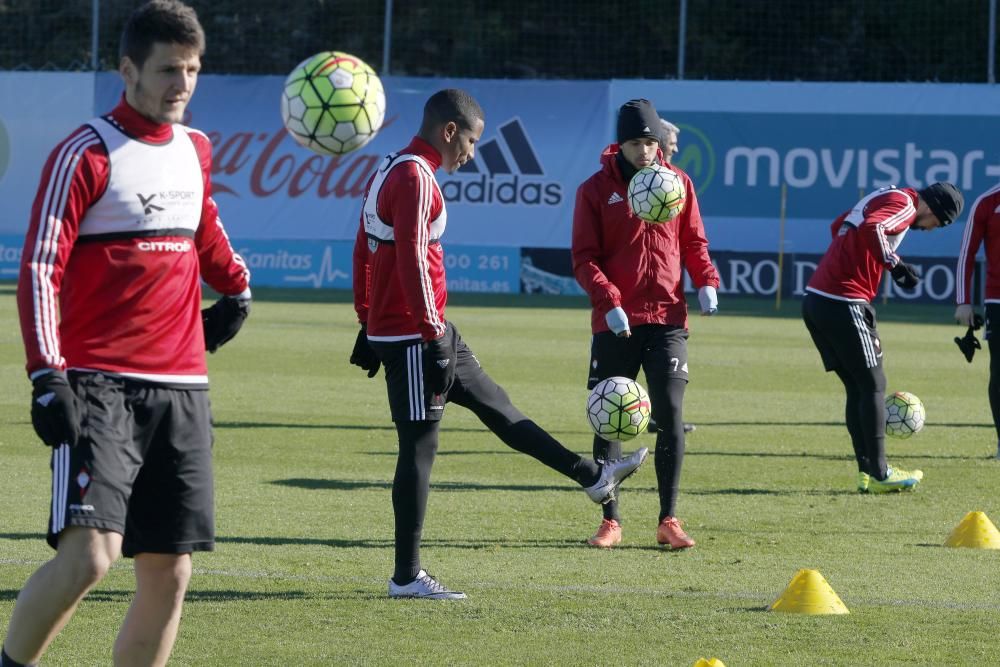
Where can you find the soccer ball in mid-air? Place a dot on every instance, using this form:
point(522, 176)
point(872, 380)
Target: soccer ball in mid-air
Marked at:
point(656, 193)
point(618, 408)
point(904, 414)
point(332, 103)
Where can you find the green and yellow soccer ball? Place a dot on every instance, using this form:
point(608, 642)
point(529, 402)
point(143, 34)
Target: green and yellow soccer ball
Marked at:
point(656, 193)
point(332, 103)
point(904, 414)
point(618, 408)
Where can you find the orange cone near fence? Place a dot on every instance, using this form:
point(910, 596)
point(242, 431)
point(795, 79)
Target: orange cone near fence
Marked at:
point(975, 531)
point(809, 593)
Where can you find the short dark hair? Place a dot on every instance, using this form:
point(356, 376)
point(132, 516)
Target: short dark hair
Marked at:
point(451, 105)
point(164, 21)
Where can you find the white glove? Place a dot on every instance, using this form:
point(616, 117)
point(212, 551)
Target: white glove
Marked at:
point(708, 299)
point(618, 321)
point(963, 314)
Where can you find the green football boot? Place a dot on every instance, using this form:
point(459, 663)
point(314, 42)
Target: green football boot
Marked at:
point(863, 478)
point(895, 480)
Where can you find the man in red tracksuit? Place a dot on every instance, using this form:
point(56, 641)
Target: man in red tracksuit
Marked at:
point(633, 272)
point(838, 312)
point(983, 229)
point(122, 231)
point(399, 295)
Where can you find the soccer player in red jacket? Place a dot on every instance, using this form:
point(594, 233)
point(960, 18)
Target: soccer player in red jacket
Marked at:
point(838, 312)
point(122, 231)
point(983, 229)
point(633, 272)
point(399, 295)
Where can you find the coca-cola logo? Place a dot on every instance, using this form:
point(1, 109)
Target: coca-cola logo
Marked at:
point(274, 165)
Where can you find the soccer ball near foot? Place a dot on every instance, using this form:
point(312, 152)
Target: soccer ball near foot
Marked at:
point(904, 414)
point(332, 103)
point(618, 408)
point(656, 194)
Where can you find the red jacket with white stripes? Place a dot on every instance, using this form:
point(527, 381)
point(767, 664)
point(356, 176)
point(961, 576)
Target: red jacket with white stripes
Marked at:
point(620, 260)
point(399, 277)
point(864, 244)
point(982, 228)
point(122, 294)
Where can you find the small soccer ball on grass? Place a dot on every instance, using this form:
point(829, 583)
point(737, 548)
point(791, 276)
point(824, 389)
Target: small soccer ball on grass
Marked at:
point(332, 103)
point(656, 194)
point(904, 414)
point(618, 409)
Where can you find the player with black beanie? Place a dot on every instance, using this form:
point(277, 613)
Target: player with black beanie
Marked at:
point(639, 316)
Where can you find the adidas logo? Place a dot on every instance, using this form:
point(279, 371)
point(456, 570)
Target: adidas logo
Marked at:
point(507, 170)
point(495, 162)
point(615, 198)
point(443, 363)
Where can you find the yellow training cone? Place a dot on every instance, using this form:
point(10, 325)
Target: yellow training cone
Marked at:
point(808, 593)
point(710, 662)
point(975, 531)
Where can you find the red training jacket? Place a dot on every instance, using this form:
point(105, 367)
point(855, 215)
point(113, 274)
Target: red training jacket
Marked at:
point(621, 260)
point(399, 277)
point(982, 228)
point(864, 244)
point(124, 302)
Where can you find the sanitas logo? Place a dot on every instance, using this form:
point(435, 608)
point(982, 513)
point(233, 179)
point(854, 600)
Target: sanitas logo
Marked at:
point(696, 156)
point(509, 173)
point(165, 246)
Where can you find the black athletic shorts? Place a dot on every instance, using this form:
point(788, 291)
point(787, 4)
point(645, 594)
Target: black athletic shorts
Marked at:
point(991, 320)
point(142, 467)
point(409, 400)
point(845, 333)
point(660, 350)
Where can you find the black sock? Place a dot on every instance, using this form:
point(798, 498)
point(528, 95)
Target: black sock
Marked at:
point(7, 661)
point(604, 451)
point(410, 488)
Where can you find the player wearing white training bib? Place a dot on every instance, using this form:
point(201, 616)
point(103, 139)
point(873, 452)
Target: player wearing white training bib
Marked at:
point(983, 229)
point(838, 313)
point(122, 232)
point(399, 295)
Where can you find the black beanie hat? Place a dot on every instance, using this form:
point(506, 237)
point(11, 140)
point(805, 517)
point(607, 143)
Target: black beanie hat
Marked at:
point(638, 118)
point(944, 200)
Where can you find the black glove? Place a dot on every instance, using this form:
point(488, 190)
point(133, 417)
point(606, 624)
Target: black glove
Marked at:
point(363, 355)
point(904, 276)
point(54, 412)
point(439, 365)
point(222, 320)
point(968, 344)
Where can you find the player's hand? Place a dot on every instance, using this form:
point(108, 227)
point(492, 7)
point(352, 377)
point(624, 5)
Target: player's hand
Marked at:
point(963, 314)
point(618, 322)
point(54, 412)
point(905, 276)
point(708, 299)
point(363, 355)
point(439, 365)
point(222, 320)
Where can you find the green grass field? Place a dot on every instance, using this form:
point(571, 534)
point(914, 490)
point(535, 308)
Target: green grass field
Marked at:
point(305, 454)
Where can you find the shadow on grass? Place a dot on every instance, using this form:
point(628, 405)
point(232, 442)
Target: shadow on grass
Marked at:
point(387, 543)
point(314, 484)
point(700, 434)
point(361, 484)
point(333, 427)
